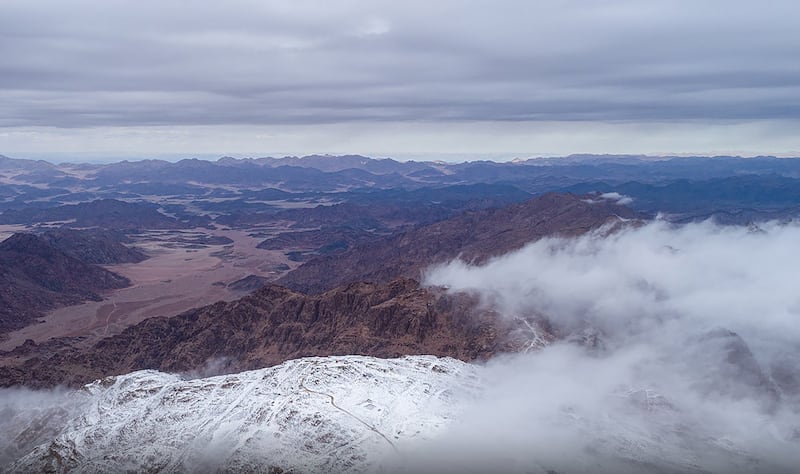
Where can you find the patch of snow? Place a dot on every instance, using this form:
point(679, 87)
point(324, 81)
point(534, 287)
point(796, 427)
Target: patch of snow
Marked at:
point(336, 414)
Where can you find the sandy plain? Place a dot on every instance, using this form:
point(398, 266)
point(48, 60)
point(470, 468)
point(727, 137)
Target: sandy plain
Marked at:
point(178, 276)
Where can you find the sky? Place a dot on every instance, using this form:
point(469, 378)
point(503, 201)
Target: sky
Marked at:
point(504, 78)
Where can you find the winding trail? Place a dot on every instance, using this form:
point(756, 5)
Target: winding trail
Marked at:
point(108, 318)
point(347, 412)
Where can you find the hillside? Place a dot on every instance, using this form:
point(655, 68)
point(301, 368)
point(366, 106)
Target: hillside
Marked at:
point(103, 247)
point(35, 276)
point(106, 213)
point(274, 324)
point(473, 236)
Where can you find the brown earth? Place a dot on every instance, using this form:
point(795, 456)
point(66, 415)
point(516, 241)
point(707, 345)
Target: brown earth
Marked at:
point(177, 277)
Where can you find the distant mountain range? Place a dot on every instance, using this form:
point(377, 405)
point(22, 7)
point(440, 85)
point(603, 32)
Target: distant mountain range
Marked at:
point(237, 189)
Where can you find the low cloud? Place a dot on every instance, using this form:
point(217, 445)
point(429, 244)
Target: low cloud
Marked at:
point(32, 417)
point(617, 197)
point(680, 353)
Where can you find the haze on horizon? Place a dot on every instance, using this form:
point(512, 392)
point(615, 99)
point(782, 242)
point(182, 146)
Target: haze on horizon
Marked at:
point(247, 77)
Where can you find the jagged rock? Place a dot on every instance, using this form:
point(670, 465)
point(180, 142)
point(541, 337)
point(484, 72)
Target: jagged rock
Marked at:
point(275, 324)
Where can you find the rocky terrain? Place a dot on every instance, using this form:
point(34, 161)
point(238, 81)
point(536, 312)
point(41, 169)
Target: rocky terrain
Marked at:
point(472, 236)
point(386, 318)
point(103, 247)
point(275, 324)
point(36, 276)
point(326, 240)
point(253, 191)
point(106, 213)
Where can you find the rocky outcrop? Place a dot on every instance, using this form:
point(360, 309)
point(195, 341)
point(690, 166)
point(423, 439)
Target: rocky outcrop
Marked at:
point(323, 240)
point(104, 213)
point(275, 324)
point(248, 283)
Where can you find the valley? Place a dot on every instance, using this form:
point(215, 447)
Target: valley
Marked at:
point(176, 277)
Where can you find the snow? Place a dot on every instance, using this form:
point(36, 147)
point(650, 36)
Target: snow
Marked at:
point(336, 414)
point(354, 414)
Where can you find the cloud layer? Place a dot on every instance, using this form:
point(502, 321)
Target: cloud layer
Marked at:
point(95, 63)
point(682, 353)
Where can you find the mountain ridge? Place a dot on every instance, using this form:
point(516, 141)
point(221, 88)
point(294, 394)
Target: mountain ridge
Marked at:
point(35, 276)
point(472, 236)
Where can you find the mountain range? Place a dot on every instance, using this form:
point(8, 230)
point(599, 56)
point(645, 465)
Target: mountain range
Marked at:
point(330, 347)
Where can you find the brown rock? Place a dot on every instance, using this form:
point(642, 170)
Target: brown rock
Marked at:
point(275, 324)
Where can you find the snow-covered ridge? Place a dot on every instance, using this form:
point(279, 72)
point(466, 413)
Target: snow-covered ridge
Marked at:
point(336, 414)
point(554, 410)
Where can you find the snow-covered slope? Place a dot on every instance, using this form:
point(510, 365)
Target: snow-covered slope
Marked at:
point(338, 414)
point(536, 413)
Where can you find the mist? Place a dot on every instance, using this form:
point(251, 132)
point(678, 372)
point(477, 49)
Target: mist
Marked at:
point(31, 417)
point(678, 353)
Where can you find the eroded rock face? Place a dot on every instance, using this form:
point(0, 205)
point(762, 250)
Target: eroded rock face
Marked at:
point(275, 324)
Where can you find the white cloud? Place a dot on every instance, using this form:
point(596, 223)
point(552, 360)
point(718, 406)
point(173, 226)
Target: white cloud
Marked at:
point(374, 27)
point(617, 197)
point(695, 365)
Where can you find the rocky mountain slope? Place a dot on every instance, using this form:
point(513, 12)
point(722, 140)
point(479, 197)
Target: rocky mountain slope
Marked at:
point(102, 247)
point(472, 236)
point(357, 414)
point(274, 324)
point(388, 318)
point(36, 276)
point(343, 414)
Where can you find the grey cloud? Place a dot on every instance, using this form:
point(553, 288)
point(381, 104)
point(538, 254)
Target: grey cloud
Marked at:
point(93, 63)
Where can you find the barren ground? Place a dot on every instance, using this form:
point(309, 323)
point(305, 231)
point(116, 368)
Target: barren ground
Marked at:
point(177, 277)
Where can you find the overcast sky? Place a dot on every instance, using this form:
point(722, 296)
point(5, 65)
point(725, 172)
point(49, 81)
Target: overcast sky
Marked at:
point(399, 77)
